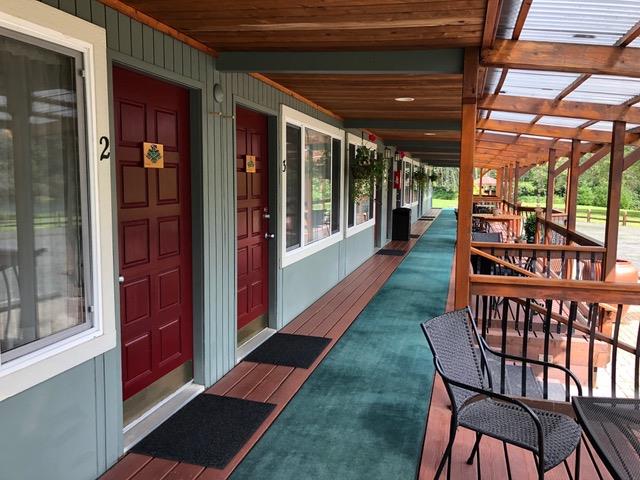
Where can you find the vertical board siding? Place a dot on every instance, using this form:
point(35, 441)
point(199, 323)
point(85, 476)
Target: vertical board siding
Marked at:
point(143, 47)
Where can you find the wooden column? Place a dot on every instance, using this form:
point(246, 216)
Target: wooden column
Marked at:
point(499, 182)
point(480, 182)
point(572, 184)
point(465, 199)
point(516, 181)
point(616, 169)
point(551, 187)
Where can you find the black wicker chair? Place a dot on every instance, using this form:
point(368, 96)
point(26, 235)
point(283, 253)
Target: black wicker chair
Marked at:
point(459, 355)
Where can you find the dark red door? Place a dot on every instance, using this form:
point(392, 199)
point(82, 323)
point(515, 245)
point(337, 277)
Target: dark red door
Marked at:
point(252, 213)
point(154, 228)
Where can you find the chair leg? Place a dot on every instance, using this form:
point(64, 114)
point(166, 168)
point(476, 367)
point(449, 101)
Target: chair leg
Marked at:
point(475, 448)
point(539, 466)
point(446, 456)
point(576, 474)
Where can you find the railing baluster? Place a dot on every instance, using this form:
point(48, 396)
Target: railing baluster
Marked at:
point(593, 323)
point(593, 265)
point(573, 313)
point(484, 316)
point(525, 344)
point(503, 346)
point(577, 272)
point(547, 333)
point(548, 263)
point(614, 357)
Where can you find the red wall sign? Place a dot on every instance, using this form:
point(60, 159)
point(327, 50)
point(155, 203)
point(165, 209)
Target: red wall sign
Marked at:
point(396, 180)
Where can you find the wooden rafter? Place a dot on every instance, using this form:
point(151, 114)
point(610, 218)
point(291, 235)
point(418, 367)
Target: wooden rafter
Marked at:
point(595, 136)
point(492, 17)
point(563, 57)
point(562, 108)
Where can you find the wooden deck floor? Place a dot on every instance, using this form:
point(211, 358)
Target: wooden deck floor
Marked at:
point(329, 317)
point(493, 460)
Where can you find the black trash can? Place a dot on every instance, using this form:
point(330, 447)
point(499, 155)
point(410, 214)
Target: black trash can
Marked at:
point(401, 227)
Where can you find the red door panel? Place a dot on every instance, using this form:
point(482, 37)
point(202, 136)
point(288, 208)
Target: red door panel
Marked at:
point(154, 228)
point(252, 205)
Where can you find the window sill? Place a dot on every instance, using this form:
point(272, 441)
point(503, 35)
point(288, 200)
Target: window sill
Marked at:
point(360, 228)
point(37, 367)
point(293, 256)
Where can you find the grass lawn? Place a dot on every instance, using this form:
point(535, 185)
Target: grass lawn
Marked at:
point(444, 203)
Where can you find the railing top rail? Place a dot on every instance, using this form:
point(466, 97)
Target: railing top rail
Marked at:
point(546, 288)
point(572, 236)
point(539, 247)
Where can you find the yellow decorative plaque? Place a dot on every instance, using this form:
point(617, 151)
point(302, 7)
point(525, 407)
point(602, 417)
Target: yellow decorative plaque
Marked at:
point(153, 154)
point(250, 163)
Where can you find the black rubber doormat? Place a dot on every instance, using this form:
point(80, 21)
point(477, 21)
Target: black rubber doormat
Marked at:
point(299, 351)
point(390, 251)
point(208, 431)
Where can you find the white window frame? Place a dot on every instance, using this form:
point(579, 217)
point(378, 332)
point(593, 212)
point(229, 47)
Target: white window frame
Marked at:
point(357, 141)
point(291, 116)
point(414, 164)
point(35, 19)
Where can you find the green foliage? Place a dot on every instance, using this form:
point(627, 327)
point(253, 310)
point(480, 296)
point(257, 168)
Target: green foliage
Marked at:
point(367, 168)
point(420, 178)
point(530, 228)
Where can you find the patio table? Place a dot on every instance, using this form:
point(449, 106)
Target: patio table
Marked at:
point(613, 427)
point(511, 221)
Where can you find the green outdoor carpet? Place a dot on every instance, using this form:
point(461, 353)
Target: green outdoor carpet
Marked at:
point(361, 414)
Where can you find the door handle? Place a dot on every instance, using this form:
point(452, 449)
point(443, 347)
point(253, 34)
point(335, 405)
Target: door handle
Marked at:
point(269, 236)
point(120, 279)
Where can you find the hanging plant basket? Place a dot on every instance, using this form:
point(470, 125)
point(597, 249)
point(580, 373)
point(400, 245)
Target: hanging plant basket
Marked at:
point(421, 178)
point(367, 168)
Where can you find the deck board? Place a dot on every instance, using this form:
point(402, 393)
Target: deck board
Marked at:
point(492, 461)
point(330, 316)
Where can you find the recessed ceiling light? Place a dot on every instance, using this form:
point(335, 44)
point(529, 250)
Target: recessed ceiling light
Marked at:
point(429, 134)
point(583, 35)
point(404, 99)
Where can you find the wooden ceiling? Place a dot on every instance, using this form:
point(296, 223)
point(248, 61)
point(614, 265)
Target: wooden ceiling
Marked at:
point(373, 96)
point(272, 25)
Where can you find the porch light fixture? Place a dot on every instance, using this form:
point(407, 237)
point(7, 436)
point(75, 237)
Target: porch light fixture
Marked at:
point(387, 153)
point(404, 99)
point(396, 157)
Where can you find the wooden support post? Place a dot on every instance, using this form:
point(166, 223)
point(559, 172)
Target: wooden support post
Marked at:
point(516, 181)
point(551, 187)
point(572, 184)
point(499, 182)
point(480, 181)
point(465, 199)
point(616, 168)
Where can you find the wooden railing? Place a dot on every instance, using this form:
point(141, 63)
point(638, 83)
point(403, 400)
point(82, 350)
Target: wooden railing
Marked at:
point(580, 325)
point(568, 262)
point(554, 234)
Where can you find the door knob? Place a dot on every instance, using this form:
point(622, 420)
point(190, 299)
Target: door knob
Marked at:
point(120, 279)
point(266, 216)
point(269, 236)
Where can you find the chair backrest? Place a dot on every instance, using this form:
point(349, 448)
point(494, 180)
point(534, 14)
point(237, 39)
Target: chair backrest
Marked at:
point(455, 352)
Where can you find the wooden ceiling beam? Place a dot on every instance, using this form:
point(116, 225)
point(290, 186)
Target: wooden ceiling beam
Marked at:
point(491, 20)
point(515, 140)
point(630, 36)
point(563, 57)
point(562, 108)
point(436, 61)
point(595, 136)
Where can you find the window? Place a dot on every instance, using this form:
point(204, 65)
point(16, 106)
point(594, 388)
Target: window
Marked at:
point(44, 242)
point(407, 166)
point(57, 300)
point(361, 211)
point(294, 186)
point(313, 180)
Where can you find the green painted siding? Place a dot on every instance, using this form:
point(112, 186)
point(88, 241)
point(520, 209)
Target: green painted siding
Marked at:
point(73, 422)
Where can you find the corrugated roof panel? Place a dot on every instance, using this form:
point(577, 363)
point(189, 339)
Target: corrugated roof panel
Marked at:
point(595, 22)
point(608, 126)
point(606, 89)
point(561, 121)
point(531, 83)
point(512, 117)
